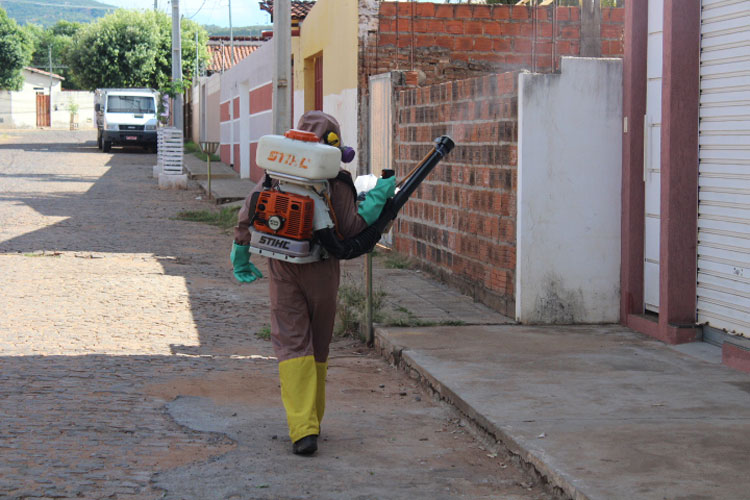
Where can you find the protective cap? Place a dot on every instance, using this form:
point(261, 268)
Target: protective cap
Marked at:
point(327, 128)
point(319, 123)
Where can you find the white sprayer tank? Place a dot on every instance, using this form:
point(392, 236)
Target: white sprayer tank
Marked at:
point(298, 153)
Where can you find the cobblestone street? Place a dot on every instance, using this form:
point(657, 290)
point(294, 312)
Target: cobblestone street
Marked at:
point(130, 366)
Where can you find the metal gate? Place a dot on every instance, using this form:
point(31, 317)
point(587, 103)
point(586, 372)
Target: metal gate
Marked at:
point(381, 128)
point(723, 287)
point(652, 156)
point(381, 123)
point(42, 110)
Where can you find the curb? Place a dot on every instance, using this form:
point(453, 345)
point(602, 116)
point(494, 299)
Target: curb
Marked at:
point(401, 358)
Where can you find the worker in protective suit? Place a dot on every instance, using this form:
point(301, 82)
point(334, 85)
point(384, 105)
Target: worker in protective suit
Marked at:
point(303, 296)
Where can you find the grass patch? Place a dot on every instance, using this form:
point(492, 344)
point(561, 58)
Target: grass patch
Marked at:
point(409, 319)
point(351, 309)
point(226, 218)
point(264, 333)
point(416, 322)
point(203, 156)
point(195, 149)
point(395, 260)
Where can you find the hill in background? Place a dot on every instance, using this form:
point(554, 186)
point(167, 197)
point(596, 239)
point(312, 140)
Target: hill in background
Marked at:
point(45, 13)
point(255, 31)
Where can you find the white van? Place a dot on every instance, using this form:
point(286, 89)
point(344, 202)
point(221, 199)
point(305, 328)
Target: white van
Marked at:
point(125, 117)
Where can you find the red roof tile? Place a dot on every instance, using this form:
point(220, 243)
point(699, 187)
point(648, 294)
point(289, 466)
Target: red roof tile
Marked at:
point(300, 8)
point(221, 54)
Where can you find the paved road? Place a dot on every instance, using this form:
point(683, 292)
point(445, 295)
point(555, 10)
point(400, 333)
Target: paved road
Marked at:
point(130, 368)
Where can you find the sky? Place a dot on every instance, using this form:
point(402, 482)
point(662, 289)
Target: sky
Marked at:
point(244, 12)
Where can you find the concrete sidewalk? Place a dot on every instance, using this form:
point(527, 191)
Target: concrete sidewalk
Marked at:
point(226, 185)
point(601, 411)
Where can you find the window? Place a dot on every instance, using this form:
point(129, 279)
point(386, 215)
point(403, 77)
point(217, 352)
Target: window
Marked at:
point(130, 104)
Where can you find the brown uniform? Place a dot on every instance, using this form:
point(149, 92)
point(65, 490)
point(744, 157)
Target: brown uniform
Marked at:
point(303, 296)
point(303, 303)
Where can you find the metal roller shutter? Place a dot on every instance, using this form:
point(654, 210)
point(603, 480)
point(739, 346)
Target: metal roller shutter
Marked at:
point(724, 182)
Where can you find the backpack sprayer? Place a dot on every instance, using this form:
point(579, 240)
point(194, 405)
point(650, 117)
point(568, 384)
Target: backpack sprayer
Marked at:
point(292, 215)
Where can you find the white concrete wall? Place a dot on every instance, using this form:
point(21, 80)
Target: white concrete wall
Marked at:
point(252, 72)
point(298, 97)
point(207, 89)
point(213, 97)
point(344, 107)
point(569, 179)
point(195, 102)
point(18, 108)
point(6, 108)
point(61, 101)
point(332, 28)
point(23, 107)
point(22, 112)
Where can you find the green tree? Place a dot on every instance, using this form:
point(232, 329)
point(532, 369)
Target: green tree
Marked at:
point(15, 52)
point(55, 41)
point(132, 49)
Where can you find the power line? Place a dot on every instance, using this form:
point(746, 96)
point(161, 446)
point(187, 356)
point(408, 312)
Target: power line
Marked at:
point(199, 9)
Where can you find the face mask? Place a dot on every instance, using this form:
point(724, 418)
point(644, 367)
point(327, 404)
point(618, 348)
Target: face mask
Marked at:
point(332, 139)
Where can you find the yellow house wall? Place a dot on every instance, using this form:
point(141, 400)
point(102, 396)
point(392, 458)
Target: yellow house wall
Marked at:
point(330, 28)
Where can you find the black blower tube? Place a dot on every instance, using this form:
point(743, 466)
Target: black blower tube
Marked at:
point(366, 240)
point(443, 146)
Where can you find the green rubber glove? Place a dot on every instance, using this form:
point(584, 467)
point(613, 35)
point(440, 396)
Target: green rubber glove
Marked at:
point(373, 203)
point(244, 270)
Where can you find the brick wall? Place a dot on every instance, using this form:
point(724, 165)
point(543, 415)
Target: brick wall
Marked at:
point(449, 42)
point(460, 223)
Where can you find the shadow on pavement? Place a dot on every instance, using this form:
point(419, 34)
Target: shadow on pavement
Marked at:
point(89, 336)
point(124, 212)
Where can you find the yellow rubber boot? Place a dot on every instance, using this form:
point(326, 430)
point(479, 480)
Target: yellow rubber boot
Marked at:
point(299, 393)
point(320, 395)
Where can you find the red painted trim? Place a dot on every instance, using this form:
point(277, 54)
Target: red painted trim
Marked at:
point(261, 99)
point(224, 154)
point(679, 172)
point(643, 324)
point(255, 171)
point(670, 334)
point(679, 162)
point(224, 112)
point(735, 357)
point(677, 334)
point(633, 196)
point(236, 105)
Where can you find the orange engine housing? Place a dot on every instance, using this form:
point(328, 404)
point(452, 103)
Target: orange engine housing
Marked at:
point(293, 210)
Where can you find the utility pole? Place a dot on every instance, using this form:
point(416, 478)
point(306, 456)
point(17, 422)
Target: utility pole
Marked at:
point(50, 82)
point(176, 62)
point(196, 74)
point(156, 5)
point(282, 43)
point(231, 35)
point(222, 56)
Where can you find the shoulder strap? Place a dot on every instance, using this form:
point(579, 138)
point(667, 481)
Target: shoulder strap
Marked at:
point(345, 177)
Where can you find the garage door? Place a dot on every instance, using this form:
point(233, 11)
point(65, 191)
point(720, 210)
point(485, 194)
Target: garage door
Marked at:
point(724, 182)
